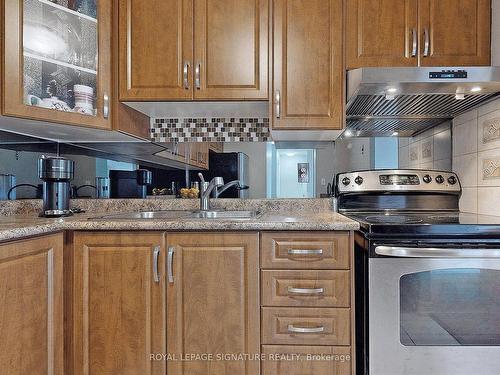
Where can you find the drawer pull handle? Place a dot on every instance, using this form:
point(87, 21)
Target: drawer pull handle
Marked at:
point(293, 329)
point(305, 252)
point(293, 290)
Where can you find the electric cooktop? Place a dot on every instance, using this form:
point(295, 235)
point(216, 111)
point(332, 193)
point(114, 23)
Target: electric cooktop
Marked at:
point(436, 223)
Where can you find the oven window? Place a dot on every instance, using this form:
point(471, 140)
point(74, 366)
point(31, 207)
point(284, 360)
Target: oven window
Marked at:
point(450, 307)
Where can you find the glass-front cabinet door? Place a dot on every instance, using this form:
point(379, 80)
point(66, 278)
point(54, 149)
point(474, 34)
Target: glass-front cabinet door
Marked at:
point(58, 60)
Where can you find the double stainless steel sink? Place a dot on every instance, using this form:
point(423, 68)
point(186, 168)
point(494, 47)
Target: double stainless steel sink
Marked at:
point(169, 215)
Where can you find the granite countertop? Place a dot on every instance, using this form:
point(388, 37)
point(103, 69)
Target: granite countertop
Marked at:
point(308, 215)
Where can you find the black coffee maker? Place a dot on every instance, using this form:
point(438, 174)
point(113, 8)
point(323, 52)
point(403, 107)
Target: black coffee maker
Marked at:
point(130, 184)
point(56, 173)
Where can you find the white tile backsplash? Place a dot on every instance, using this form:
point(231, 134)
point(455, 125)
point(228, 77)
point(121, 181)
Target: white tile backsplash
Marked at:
point(465, 138)
point(414, 156)
point(465, 166)
point(488, 202)
point(404, 157)
point(489, 131)
point(428, 165)
point(488, 168)
point(442, 145)
point(403, 141)
point(468, 201)
point(476, 150)
point(442, 165)
point(429, 150)
point(443, 127)
point(465, 117)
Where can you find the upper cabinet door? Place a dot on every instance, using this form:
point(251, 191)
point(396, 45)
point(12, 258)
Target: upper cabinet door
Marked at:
point(155, 49)
point(231, 49)
point(455, 32)
point(308, 69)
point(58, 61)
point(381, 33)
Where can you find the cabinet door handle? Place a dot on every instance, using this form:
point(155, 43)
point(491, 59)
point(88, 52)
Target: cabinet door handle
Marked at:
point(170, 261)
point(293, 290)
point(156, 257)
point(278, 103)
point(197, 72)
point(414, 42)
point(185, 75)
point(305, 252)
point(105, 109)
point(293, 329)
point(427, 42)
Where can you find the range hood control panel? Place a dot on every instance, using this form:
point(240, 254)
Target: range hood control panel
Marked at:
point(448, 74)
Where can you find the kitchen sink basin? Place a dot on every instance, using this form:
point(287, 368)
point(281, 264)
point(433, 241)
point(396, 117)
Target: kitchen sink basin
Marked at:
point(224, 215)
point(146, 215)
point(172, 215)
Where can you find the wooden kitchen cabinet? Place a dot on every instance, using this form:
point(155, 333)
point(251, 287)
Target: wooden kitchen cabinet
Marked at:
point(193, 49)
point(317, 360)
point(57, 62)
point(31, 306)
point(231, 49)
point(386, 33)
point(117, 298)
point(381, 33)
point(308, 67)
point(458, 32)
point(155, 49)
point(307, 303)
point(213, 301)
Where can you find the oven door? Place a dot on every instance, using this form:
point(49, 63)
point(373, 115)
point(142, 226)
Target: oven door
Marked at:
point(434, 315)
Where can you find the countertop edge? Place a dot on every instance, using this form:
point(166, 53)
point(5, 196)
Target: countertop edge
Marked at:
point(27, 230)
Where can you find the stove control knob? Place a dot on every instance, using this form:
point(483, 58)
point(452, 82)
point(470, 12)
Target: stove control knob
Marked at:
point(346, 181)
point(452, 180)
point(439, 179)
point(427, 179)
point(358, 180)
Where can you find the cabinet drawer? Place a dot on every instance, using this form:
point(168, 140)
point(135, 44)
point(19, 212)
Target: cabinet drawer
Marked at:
point(305, 250)
point(306, 288)
point(306, 326)
point(317, 360)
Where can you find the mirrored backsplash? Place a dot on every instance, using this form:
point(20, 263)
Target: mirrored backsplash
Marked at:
point(263, 169)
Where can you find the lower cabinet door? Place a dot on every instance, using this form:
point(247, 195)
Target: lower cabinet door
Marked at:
point(213, 304)
point(118, 303)
point(31, 306)
point(306, 360)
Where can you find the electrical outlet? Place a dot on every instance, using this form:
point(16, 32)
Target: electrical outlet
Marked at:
point(323, 182)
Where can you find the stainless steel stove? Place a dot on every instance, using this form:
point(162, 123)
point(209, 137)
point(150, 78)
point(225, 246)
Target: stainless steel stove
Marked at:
point(427, 275)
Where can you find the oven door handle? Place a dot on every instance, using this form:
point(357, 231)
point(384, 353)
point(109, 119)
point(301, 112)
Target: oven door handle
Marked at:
point(431, 252)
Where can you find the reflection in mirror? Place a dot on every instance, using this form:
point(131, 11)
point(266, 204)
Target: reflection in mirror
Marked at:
point(261, 169)
point(264, 169)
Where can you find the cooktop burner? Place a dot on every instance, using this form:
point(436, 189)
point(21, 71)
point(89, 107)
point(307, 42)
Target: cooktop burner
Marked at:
point(407, 218)
point(393, 219)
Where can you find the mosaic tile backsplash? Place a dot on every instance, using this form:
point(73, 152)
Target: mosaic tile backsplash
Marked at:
point(210, 129)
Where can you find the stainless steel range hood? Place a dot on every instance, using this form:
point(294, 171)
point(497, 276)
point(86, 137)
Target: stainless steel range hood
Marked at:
point(408, 101)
